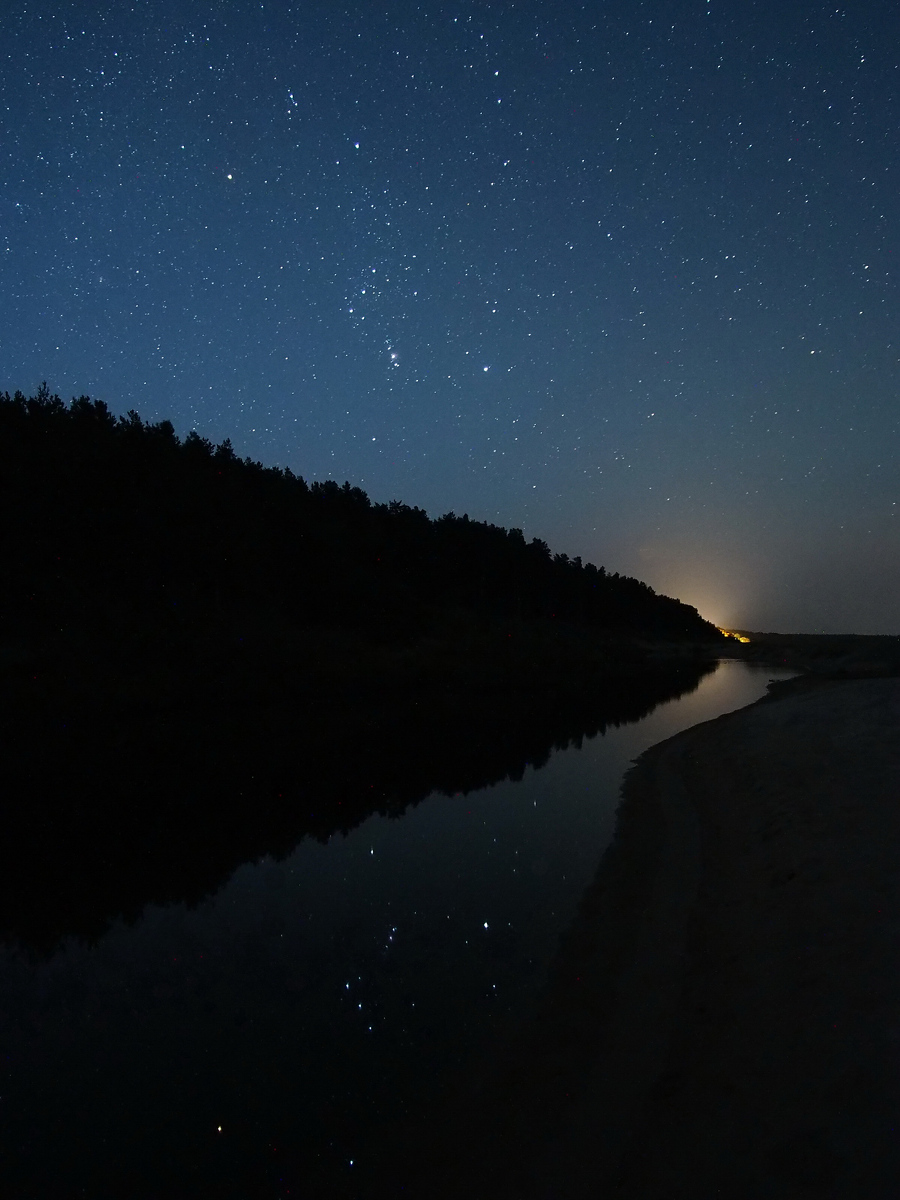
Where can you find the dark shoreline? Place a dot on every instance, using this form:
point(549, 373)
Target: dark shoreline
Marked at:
point(687, 1041)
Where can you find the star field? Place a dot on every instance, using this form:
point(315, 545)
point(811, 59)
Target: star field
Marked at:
point(621, 276)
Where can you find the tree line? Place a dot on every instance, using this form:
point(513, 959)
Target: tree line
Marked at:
point(102, 510)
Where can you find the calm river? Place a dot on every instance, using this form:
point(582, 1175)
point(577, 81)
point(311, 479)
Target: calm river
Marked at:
point(226, 1049)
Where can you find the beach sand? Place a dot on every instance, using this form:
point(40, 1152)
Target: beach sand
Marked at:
point(724, 1016)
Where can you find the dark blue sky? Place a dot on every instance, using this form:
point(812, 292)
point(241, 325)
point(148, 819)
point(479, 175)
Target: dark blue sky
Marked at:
point(621, 275)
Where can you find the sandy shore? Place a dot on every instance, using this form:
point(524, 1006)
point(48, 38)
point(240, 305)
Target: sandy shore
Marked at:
point(724, 1019)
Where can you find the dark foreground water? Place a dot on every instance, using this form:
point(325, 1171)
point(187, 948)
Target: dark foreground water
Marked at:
point(232, 1049)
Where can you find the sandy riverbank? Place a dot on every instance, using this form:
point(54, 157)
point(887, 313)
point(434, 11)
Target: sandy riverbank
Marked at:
point(725, 1016)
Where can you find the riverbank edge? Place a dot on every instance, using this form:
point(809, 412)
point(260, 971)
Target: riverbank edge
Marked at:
point(579, 1093)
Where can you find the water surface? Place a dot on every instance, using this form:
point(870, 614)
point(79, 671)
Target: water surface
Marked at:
point(229, 1048)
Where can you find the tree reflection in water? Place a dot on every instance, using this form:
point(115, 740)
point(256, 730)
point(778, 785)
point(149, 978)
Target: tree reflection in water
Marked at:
point(247, 1044)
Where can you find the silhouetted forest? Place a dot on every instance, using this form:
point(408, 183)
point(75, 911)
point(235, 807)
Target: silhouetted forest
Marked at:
point(117, 528)
point(202, 660)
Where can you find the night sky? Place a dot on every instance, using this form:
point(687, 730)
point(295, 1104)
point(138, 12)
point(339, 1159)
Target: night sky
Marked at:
point(621, 275)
